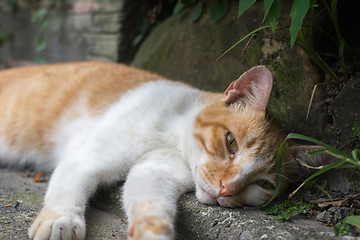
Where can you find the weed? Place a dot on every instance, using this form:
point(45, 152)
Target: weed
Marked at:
point(345, 161)
point(286, 209)
point(342, 228)
point(297, 14)
point(356, 131)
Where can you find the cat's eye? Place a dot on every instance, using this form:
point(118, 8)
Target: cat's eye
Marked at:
point(231, 143)
point(265, 184)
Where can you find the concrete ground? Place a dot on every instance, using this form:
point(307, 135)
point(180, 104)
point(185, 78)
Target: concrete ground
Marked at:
point(21, 199)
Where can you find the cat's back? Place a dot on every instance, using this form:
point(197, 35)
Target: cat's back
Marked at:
point(102, 82)
point(34, 99)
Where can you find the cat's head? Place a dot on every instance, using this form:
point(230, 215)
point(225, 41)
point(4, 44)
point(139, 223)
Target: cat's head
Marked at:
point(237, 144)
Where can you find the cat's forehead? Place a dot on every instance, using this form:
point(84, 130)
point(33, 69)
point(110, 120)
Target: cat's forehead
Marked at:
point(240, 122)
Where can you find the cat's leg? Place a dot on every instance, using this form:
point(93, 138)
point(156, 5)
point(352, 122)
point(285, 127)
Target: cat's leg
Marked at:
point(150, 195)
point(72, 183)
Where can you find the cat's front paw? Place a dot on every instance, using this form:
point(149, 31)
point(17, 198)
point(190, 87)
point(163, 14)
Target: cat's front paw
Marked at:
point(54, 225)
point(151, 228)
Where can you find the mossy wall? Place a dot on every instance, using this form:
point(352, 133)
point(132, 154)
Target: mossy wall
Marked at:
point(182, 50)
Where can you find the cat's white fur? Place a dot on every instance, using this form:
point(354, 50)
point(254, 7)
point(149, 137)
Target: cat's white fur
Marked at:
point(157, 146)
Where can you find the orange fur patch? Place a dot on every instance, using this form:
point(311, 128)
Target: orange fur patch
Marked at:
point(33, 98)
point(145, 220)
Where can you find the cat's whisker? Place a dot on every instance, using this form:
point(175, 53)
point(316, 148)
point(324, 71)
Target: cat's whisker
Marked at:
point(274, 132)
point(283, 176)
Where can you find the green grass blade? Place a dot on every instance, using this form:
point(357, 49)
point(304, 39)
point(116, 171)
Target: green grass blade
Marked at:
point(237, 43)
point(244, 5)
point(339, 156)
point(297, 14)
point(318, 142)
point(355, 154)
point(343, 162)
point(278, 170)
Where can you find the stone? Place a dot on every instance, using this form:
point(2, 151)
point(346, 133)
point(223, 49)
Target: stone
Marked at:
point(106, 22)
point(103, 45)
point(82, 6)
point(189, 52)
point(346, 106)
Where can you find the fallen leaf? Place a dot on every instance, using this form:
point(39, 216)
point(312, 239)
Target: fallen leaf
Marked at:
point(39, 177)
point(338, 202)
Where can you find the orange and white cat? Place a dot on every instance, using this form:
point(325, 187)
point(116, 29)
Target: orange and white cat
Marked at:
point(96, 123)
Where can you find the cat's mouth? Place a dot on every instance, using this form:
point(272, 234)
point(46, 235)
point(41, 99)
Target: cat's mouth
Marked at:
point(205, 197)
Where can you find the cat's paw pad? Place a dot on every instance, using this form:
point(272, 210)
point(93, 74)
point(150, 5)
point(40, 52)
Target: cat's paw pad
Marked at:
point(53, 225)
point(151, 228)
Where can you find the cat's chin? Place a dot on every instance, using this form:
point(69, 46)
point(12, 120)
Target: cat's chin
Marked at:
point(204, 197)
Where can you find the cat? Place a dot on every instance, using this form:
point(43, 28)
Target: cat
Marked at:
point(96, 123)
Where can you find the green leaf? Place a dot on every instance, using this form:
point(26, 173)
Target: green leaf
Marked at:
point(138, 39)
point(178, 8)
point(353, 220)
point(144, 25)
point(4, 37)
point(305, 138)
point(43, 25)
point(248, 35)
point(278, 170)
point(40, 61)
point(197, 12)
point(218, 10)
point(40, 46)
point(341, 228)
point(267, 6)
point(274, 14)
point(297, 14)
point(39, 15)
point(244, 5)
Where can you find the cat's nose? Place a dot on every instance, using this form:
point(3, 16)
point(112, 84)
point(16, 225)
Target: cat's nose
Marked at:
point(224, 189)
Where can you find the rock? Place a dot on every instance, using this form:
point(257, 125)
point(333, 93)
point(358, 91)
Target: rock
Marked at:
point(332, 215)
point(245, 235)
point(186, 51)
point(345, 110)
point(106, 219)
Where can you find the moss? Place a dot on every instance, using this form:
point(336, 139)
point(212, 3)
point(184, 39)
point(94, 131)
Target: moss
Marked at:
point(153, 65)
point(289, 98)
point(285, 209)
point(254, 53)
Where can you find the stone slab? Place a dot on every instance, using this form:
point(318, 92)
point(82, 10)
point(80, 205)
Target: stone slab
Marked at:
point(21, 198)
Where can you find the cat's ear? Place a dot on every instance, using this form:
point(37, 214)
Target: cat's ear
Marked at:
point(252, 88)
point(299, 161)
